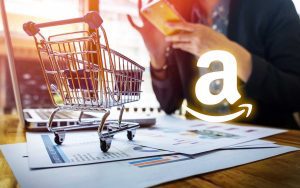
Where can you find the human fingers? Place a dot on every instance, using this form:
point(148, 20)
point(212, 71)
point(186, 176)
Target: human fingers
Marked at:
point(183, 46)
point(180, 37)
point(140, 4)
point(189, 47)
point(183, 26)
point(129, 18)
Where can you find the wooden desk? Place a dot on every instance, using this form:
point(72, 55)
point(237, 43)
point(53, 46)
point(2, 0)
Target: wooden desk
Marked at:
point(281, 171)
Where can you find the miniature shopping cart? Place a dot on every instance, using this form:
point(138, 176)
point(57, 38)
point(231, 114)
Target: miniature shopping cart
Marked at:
point(85, 76)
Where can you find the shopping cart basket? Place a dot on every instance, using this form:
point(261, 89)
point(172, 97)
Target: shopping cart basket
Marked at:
point(83, 75)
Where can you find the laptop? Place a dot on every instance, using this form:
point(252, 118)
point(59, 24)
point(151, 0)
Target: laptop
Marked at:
point(37, 119)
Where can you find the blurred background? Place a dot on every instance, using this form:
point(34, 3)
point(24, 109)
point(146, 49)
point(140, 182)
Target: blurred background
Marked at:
point(121, 35)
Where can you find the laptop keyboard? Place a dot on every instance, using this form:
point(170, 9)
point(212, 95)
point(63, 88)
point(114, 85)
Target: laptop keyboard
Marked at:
point(45, 114)
point(27, 115)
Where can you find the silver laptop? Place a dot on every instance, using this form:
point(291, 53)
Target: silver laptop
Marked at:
point(37, 119)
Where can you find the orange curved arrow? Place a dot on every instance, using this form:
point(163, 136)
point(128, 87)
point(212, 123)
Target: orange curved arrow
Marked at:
point(219, 119)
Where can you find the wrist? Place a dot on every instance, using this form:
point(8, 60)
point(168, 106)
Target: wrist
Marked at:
point(160, 69)
point(158, 63)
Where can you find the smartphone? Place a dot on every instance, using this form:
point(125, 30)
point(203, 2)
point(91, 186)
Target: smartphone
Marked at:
point(159, 12)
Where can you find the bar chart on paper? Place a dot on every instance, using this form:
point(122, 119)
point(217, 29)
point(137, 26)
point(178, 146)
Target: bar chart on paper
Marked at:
point(81, 148)
point(154, 161)
point(201, 137)
point(57, 154)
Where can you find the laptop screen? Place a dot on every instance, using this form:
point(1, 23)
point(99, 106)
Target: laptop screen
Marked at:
point(33, 90)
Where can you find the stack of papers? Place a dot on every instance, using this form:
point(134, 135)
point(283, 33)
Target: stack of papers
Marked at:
point(173, 145)
point(199, 137)
point(81, 148)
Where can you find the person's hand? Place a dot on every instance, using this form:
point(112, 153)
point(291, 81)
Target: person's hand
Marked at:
point(198, 39)
point(153, 39)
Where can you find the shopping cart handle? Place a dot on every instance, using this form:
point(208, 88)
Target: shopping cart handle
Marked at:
point(93, 19)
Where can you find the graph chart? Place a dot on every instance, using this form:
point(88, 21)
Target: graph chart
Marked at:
point(81, 148)
point(145, 149)
point(154, 161)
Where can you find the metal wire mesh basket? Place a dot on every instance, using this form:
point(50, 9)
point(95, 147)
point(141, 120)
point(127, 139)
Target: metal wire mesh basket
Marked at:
point(83, 75)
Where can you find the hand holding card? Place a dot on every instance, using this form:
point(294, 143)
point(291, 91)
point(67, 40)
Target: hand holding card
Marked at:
point(159, 13)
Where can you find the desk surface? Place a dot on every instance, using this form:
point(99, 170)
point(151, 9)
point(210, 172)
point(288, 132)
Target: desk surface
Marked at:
point(281, 171)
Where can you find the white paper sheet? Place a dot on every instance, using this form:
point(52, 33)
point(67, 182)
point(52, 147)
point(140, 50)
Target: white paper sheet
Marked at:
point(253, 144)
point(80, 148)
point(194, 137)
point(83, 148)
point(125, 173)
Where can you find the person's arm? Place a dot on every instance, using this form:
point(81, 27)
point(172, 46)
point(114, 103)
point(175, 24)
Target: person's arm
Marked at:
point(198, 39)
point(165, 77)
point(272, 80)
point(167, 85)
point(275, 79)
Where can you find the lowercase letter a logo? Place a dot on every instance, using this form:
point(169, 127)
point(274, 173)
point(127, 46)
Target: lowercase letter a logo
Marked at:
point(229, 90)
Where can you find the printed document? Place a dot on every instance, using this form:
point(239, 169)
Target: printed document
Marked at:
point(201, 137)
point(80, 148)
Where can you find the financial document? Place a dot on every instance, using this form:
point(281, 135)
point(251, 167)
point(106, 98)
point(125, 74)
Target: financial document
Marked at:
point(254, 144)
point(81, 148)
point(134, 173)
point(197, 137)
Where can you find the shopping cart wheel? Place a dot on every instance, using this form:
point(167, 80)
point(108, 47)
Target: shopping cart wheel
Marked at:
point(110, 130)
point(59, 138)
point(104, 145)
point(130, 134)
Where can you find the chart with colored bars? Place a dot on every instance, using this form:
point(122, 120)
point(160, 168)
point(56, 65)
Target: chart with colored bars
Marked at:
point(199, 138)
point(153, 161)
point(82, 148)
point(57, 155)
